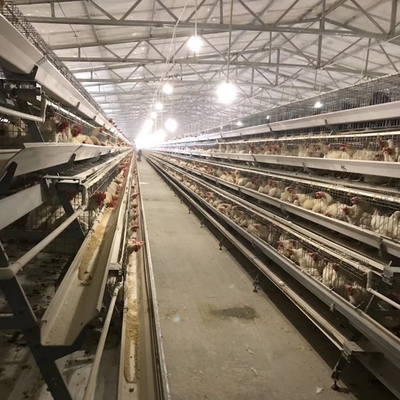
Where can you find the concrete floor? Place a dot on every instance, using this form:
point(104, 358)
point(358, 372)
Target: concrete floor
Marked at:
point(222, 341)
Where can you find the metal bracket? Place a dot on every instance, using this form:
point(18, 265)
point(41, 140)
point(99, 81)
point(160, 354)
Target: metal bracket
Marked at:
point(45, 356)
point(383, 251)
point(34, 130)
point(255, 283)
point(5, 182)
point(284, 212)
point(75, 225)
point(306, 169)
point(62, 167)
point(332, 128)
point(4, 260)
point(96, 158)
point(350, 349)
point(390, 274)
point(255, 161)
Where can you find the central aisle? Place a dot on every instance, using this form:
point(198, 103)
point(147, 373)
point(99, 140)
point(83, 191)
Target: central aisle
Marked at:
point(222, 341)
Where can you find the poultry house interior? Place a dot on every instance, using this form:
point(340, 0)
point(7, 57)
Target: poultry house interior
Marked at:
point(199, 200)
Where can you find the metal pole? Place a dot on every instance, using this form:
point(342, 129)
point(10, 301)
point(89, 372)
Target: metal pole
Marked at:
point(12, 270)
point(89, 393)
point(19, 114)
point(230, 41)
point(321, 26)
point(393, 18)
point(381, 296)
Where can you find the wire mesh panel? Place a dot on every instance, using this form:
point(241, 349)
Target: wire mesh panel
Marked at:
point(367, 93)
point(64, 127)
point(378, 213)
point(368, 146)
point(13, 132)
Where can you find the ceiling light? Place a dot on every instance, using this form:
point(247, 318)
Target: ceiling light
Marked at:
point(239, 123)
point(171, 125)
point(153, 115)
point(159, 106)
point(318, 104)
point(226, 92)
point(168, 88)
point(195, 43)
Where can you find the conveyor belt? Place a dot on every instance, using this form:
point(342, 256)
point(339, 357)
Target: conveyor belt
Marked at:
point(221, 340)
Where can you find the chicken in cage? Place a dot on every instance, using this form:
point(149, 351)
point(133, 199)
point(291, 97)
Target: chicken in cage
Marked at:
point(13, 132)
point(378, 214)
point(369, 147)
point(333, 272)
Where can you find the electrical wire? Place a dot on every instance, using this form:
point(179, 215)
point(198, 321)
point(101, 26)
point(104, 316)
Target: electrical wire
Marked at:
point(168, 59)
point(195, 18)
point(229, 42)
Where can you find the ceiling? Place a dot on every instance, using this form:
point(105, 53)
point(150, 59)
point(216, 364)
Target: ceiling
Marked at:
point(281, 51)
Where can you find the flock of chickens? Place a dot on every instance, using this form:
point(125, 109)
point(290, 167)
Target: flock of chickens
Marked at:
point(51, 214)
point(359, 212)
point(133, 244)
point(14, 133)
point(309, 261)
point(363, 149)
point(63, 132)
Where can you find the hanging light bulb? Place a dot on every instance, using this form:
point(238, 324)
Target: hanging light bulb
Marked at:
point(195, 43)
point(168, 88)
point(226, 92)
point(239, 123)
point(153, 115)
point(171, 125)
point(318, 104)
point(159, 106)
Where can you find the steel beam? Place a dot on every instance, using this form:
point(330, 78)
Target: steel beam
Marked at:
point(299, 51)
point(206, 26)
point(33, 2)
point(102, 10)
point(328, 62)
point(196, 10)
point(366, 13)
point(393, 17)
point(167, 10)
point(198, 61)
point(278, 57)
point(156, 79)
point(367, 55)
point(131, 9)
point(286, 12)
point(248, 9)
point(321, 26)
point(388, 58)
point(132, 39)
